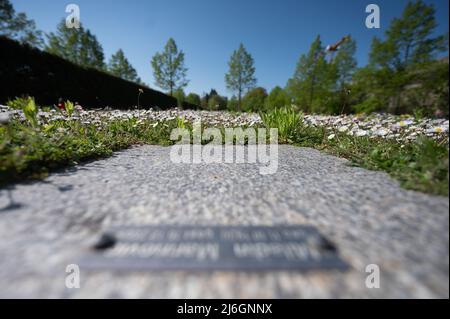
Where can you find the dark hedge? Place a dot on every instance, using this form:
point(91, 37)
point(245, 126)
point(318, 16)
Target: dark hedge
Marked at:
point(46, 77)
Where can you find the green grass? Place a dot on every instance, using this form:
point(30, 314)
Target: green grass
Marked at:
point(28, 152)
point(286, 120)
point(421, 165)
point(32, 150)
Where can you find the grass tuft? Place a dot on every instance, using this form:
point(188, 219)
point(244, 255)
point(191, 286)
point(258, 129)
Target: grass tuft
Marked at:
point(286, 120)
point(421, 165)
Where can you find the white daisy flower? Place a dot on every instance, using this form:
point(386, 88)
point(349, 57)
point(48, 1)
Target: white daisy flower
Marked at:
point(405, 123)
point(437, 130)
point(361, 133)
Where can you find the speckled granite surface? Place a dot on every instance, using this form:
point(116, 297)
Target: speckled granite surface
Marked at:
point(46, 225)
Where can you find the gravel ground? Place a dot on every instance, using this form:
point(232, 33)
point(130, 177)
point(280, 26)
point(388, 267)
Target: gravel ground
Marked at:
point(47, 225)
point(401, 128)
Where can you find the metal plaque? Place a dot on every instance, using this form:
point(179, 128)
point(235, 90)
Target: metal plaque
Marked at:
point(230, 248)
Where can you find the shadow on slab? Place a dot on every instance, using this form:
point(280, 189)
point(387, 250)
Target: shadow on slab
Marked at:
point(12, 205)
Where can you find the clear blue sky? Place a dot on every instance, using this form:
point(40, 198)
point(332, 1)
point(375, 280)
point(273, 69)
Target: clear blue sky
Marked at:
point(275, 32)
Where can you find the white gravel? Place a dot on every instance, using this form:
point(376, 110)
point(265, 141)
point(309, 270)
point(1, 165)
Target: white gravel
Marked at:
point(402, 128)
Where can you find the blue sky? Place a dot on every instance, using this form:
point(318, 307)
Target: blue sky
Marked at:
point(275, 32)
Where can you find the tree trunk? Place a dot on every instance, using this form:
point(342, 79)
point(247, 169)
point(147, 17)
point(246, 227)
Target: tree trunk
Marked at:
point(239, 99)
point(407, 54)
point(311, 93)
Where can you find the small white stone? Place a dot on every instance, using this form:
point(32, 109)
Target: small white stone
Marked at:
point(361, 133)
point(381, 132)
point(4, 118)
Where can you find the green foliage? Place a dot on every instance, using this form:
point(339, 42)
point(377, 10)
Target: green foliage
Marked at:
point(70, 107)
point(428, 92)
point(254, 100)
point(277, 98)
point(205, 98)
point(233, 104)
point(217, 102)
point(30, 110)
point(18, 103)
point(180, 96)
point(18, 26)
point(28, 107)
point(314, 80)
point(181, 123)
point(345, 62)
point(32, 152)
point(346, 65)
point(369, 105)
point(213, 101)
point(241, 73)
point(120, 66)
point(168, 68)
point(409, 39)
point(7, 13)
point(420, 165)
point(286, 120)
point(193, 98)
point(403, 73)
point(79, 46)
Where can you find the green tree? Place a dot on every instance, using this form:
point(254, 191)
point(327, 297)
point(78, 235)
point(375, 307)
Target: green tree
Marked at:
point(168, 68)
point(217, 102)
point(240, 76)
point(18, 26)
point(193, 98)
point(120, 66)
point(180, 96)
point(368, 93)
point(232, 104)
point(409, 39)
point(277, 98)
point(79, 46)
point(345, 62)
point(345, 65)
point(213, 101)
point(314, 79)
point(433, 95)
point(400, 62)
point(7, 14)
point(204, 102)
point(254, 100)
